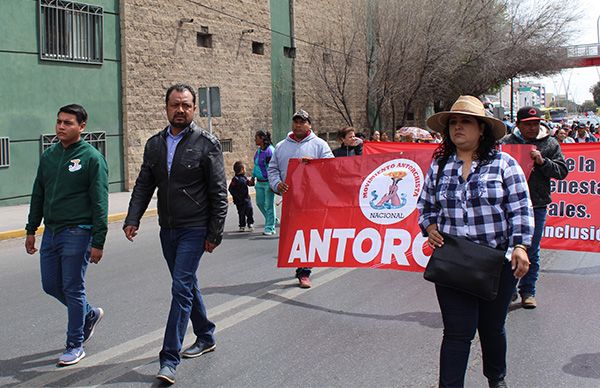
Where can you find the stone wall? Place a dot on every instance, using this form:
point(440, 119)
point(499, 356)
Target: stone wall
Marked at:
point(158, 51)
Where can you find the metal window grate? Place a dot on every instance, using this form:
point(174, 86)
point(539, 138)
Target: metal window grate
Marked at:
point(4, 152)
point(226, 145)
point(96, 139)
point(70, 31)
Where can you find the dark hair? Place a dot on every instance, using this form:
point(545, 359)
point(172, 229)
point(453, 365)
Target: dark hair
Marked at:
point(561, 129)
point(77, 110)
point(180, 88)
point(237, 167)
point(484, 153)
point(265, 136)
point(344, 131)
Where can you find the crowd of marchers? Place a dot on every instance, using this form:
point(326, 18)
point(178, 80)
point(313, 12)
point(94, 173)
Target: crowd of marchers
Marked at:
point(472, 190)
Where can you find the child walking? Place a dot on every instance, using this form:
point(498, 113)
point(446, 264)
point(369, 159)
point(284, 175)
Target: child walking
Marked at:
point(239, 191)
point(265, 197)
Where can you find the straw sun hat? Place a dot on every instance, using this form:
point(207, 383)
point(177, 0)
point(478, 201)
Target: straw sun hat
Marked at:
point(471, 106)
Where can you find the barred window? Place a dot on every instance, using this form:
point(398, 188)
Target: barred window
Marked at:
point(226, 145)
point(96, 139)
point(71, 31)
point(4, 152)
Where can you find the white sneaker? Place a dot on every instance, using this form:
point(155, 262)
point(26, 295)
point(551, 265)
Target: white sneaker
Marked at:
point(242, 229)
point(249, 228)
point(271, 233)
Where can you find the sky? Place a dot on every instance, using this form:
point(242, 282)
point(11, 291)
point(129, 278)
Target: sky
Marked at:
point(578, 81)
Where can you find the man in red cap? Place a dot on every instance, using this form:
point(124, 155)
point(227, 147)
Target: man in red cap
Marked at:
point(548, 162)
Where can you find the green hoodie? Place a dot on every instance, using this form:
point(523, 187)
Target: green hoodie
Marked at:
point(71, 189)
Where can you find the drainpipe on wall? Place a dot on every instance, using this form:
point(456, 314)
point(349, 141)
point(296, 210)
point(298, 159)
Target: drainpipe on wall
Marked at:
point(124, 119)
point(293, 46)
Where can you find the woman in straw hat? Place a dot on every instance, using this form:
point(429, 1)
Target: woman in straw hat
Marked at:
point(481, 194)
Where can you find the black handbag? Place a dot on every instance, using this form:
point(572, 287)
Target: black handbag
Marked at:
point(466, 266)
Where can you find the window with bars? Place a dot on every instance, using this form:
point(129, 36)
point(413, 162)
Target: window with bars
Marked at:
point(96, 139)
point(226, 145)
point(70, 31)
point(4, 152)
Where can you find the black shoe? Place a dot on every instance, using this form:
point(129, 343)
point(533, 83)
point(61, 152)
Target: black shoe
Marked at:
point(198, 349)
point(166, 374)
point(497, 383)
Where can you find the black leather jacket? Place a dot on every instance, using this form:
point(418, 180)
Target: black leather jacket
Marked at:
point(194, 194)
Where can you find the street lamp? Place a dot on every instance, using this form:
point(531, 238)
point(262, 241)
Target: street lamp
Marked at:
point(598, 28)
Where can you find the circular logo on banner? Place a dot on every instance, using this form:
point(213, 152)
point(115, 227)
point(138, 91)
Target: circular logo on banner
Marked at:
point(389, 194)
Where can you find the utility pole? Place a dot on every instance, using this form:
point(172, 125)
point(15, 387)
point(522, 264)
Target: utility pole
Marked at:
point(512, 99)
point(598, 30)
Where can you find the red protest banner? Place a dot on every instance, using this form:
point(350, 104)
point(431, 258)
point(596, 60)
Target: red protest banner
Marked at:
point(355, 212)
point(518, 151)
point(361, 211)
point(573, 221)
point(381, 147)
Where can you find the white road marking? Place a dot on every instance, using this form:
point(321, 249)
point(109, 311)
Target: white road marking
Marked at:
point(49, 377)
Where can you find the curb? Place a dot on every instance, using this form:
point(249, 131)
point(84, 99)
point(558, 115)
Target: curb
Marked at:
point(116, 217)
point(111, 218)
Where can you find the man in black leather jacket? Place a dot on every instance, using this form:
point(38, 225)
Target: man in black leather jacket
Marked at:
point(549, 163)
point(185, 163)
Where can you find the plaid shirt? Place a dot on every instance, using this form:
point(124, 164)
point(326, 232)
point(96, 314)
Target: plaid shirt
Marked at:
point(492, 207)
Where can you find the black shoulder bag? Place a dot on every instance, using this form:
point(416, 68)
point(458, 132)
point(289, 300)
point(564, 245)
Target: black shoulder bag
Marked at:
point(465, 265)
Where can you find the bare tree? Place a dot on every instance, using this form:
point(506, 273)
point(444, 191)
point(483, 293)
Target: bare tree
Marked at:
point(595, 90)
point(588, 106)
point(512, 38)
point(419, 52)
point(336, 61)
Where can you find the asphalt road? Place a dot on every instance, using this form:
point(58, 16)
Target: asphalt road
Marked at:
point(354, 328)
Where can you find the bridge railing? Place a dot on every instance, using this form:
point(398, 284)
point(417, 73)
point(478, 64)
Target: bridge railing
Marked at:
point(583, 50)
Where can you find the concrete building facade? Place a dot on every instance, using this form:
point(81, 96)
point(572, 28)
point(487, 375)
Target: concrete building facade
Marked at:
point(266, 57)
point(53, 53)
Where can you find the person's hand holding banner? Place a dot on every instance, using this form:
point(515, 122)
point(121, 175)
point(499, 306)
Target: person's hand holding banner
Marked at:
point(361, 211)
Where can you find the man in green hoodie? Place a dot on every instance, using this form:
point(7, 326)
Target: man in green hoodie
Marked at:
point(70, 193)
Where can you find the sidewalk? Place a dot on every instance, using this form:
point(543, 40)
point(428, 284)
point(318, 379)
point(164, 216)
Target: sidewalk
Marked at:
point(14, 218)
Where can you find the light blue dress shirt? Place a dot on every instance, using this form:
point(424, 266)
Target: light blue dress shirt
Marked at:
point(172, 142)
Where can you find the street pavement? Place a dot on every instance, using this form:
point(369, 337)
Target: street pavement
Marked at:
point(354, 328)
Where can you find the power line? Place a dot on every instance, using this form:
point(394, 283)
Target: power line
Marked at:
point(259, 26)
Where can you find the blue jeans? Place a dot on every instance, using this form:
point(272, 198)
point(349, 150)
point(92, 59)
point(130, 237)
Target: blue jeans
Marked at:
point(527, 282)
point(183, 248)
point(64, 257)
point(462, 315)
point(265, 200)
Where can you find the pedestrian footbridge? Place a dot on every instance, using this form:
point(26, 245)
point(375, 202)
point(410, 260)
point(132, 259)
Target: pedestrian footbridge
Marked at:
point(584, 55)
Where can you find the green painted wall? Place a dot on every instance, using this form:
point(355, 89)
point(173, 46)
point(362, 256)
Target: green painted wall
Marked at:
point(33, 90)
point(281, 69)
